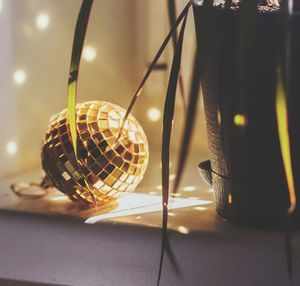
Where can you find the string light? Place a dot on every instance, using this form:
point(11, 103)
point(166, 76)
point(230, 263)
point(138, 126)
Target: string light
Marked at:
point(11, 148)
point(89, 53)
point(42, 21)
point(153, 114)
point(20, 77)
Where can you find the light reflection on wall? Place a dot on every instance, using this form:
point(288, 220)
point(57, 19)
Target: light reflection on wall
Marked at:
point(121, 42)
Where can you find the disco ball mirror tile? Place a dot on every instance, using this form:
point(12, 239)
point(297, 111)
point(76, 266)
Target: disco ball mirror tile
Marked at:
point(107, 167)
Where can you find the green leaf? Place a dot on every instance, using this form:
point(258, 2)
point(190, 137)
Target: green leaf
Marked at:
point(283, 125)
point(285, 148)
point(167, 129)
point(189, 121)
point(194, 95)
point(78, 41)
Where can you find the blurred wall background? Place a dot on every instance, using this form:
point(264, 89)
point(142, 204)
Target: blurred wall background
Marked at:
point(123, 37)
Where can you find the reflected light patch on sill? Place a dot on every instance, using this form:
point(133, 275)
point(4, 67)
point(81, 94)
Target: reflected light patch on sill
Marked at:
point(182, 229)
point(189, 188)
point(137, 204)
point(200, 209)
point(60, 198)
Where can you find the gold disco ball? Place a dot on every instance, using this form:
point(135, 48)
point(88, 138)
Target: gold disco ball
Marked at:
point(107, 167)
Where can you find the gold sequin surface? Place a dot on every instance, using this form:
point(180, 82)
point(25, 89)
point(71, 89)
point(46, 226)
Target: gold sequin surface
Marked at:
point(107, 167)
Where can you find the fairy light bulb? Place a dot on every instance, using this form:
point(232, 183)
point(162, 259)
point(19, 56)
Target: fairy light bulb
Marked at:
point(11, 148)
point(42, 21)
point(89, 53)
point(20, 77)
point(153, 114)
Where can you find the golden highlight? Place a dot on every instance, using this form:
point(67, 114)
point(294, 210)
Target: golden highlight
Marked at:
point(284, 138)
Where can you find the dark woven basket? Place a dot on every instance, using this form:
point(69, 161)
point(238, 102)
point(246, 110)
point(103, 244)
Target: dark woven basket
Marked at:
point(245, 167)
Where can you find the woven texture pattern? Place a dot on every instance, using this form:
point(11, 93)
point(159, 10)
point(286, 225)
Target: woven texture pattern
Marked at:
point(248, 175)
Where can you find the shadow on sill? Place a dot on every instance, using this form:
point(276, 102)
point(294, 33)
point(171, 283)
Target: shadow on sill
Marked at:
point(24, 283)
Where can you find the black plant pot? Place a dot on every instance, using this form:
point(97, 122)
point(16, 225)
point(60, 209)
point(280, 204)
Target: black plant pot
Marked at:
point(245, 167)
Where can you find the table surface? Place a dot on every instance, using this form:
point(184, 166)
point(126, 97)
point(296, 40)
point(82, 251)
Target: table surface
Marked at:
point(140, 208)
point(58, 239)
point(191, 210)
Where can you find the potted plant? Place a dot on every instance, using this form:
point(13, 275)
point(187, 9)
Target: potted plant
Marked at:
point(247, 62)
point(244, 61)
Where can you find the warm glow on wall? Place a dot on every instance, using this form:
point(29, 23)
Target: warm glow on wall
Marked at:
point(1, 5)
point(89, 53)
point(20, 77)
point(42, 21)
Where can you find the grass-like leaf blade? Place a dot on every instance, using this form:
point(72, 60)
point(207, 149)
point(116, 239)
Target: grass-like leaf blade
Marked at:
point(166, 138)
point(172, 19)
point(189, 121)
point(193, 99)
point(78, 41)
point(284, 139)
point(281, 101)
